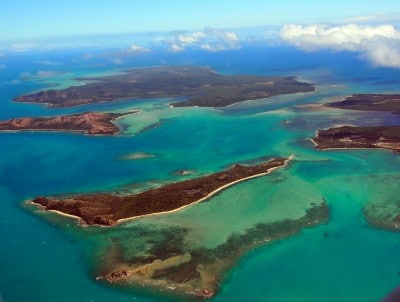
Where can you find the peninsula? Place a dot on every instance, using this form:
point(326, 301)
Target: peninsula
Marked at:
point(109, 209)
point(348, 137)
point(92, 123)
point(197, 86)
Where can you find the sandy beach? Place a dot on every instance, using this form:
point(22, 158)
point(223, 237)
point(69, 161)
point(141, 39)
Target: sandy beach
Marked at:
point(211, 194)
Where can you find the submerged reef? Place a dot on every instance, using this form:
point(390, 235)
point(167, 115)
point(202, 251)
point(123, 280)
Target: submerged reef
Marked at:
point(383, 214)
point(163, 257)
point(171, 265)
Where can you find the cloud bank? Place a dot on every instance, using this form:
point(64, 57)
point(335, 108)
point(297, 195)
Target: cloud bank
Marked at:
point(379, 44)
point(209, 39)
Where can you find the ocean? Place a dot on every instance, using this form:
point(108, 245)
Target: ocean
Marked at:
point(46, 258)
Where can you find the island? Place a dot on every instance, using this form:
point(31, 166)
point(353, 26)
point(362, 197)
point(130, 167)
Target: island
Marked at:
point(91, 123)
point(196, 86)
point(108, 209)
point(168, 263)
point(351, 137)
point(383, 214)
point(370, 102)
point(348, 137)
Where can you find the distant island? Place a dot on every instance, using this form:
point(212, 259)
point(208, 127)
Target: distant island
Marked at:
point(108, 209)
point(198, 86)
point(370, 102)
point(92, 123)
point(347, 137)
point(377, 213)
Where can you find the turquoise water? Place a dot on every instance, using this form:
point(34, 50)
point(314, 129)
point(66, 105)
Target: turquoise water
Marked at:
point(47, 258)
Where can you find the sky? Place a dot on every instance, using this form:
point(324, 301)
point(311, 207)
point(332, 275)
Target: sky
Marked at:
point(370, 28)
point(26, 19)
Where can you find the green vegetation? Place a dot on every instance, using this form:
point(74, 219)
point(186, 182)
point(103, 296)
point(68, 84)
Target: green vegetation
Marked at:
point(199, 86)
point(370, 102)
point(385, 137)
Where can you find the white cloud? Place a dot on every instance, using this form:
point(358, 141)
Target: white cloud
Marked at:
point(346, 37)
point(189, 39)
point(176, 48)
point(209, 39)
point(384, 53)
point(137, 49)
point(379, 44)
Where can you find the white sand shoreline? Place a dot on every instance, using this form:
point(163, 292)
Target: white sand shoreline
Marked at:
point(211, 194)
point(350, 148)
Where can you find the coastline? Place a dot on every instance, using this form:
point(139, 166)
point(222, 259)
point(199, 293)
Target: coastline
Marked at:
point(66, 130)
point(150, 82)
point(43, 210)
point(318, 147)
point(211, 194)
point(344, 149)
point(82, 222)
